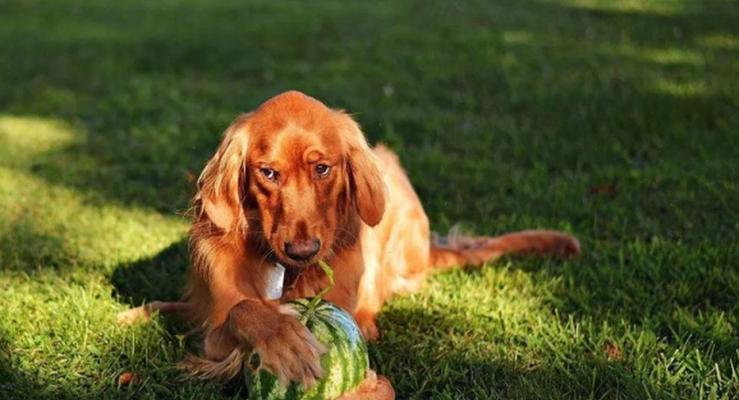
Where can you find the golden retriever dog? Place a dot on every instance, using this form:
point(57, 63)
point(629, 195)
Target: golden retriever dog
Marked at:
point(294, 182)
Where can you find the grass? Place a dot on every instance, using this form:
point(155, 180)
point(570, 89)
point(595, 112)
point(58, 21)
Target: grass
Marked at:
point(615, 121)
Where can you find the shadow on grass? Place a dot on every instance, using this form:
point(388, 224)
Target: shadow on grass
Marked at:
point(161, 277)
point(23, 248)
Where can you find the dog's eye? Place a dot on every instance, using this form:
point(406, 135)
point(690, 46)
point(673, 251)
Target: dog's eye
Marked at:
point(268, 173)
point(322, 170)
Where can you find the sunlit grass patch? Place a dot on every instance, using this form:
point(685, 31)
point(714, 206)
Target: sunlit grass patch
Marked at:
point(23, 138)
point(662, 56)
point(721, 41)
point(675, 56)
point(50, 225)
point(517, 37)
point(61, 332)
point(638, 6)
point(685, 88)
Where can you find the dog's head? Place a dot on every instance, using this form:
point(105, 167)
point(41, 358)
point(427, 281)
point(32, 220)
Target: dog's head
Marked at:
point(293, 173)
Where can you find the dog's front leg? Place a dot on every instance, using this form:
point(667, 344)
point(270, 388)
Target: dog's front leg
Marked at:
point(285, 347)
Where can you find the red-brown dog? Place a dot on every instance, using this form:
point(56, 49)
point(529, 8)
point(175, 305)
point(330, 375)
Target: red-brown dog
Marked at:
point(295, 182)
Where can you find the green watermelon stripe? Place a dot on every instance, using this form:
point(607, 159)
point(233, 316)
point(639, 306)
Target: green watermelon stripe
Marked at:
point(338, 356)
point(268, 383)
point(326, 361)
point(342, 356)
point(357, 348)
point(320, 390)
point(293, 392)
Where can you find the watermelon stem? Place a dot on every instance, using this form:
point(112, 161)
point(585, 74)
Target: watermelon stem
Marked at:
point(318, 297)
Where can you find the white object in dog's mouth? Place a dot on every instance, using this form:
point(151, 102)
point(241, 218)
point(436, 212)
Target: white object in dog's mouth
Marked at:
point(274, 280)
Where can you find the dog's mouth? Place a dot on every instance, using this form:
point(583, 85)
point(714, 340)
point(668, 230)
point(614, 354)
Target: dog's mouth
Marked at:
point(291, 263)
point(294, 267)
point(293, 270)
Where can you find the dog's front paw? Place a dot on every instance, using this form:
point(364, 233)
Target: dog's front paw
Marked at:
point(289, 350)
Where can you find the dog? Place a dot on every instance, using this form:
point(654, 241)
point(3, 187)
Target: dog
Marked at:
point(295, 182)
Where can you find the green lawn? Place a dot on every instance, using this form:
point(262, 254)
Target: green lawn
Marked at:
point(617, 122)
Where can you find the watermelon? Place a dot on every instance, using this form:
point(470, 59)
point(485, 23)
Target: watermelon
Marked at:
point(344, 364)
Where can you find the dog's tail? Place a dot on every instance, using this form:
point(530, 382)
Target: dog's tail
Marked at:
point(456, 250)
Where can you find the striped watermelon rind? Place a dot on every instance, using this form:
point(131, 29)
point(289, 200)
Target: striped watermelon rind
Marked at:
point(344, 364)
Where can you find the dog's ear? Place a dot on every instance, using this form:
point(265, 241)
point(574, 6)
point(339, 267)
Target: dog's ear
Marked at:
point(365, 179)
point(221, 186)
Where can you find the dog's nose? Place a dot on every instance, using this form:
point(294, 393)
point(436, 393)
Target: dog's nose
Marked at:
point(301, 250)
